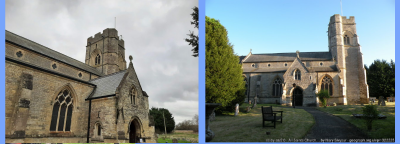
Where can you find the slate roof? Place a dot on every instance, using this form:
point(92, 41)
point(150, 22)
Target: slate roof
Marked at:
point(289, 57)
point(264, 69)
point(26, 43)
point(108, 84)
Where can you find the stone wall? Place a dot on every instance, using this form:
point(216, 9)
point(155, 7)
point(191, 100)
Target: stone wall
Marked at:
point(46, 62)
point(45, 88)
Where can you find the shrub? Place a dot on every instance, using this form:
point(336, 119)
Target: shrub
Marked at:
point(323, 95)
point(370, 113)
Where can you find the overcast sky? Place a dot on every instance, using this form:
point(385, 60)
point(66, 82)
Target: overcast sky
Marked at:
point(153, 31)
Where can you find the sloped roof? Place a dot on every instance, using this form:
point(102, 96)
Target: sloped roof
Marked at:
point(28, 44)
point(264, 69)
point(281, 57)
point(108, 84)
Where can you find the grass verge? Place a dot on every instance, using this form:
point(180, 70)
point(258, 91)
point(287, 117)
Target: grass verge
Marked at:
point(381, 128)
point(247, 127)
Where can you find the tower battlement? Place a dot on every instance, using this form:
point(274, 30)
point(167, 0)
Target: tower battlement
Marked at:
point(343, 19)
point(107, 33)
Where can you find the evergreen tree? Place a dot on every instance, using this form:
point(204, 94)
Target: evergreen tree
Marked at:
point(194, 39)
point(381, 78)
point(157, 114)
point(224, 81)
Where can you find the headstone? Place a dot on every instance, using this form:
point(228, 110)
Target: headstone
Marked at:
point(237, 109)
point(212, 116)
point(380, 100)
point(248, 109)
point(383, 103)
point(249, 101)
point(174, 140)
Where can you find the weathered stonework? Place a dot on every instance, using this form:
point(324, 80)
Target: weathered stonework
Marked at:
point(343, 65)
point(35, 80)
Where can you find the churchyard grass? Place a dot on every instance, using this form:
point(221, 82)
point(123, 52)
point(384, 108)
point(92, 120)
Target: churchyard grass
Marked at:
point(381, 128)
point(188, 137)
point(247, 127)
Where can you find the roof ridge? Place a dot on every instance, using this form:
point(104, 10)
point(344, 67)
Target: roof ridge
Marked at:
point(107, 75)
point(50, 49)
point(292, 52)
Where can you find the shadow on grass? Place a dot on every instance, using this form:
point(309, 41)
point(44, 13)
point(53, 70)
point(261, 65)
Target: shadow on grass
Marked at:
point(381, 128)
point(247, 127)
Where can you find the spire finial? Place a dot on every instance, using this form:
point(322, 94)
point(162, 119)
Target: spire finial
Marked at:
point(130, 58)
point(250, 50)
point(298, 54)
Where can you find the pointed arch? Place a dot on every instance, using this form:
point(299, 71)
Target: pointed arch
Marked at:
point(277, 87)
point(297, 74)
point(133, 95)
point(95, 57)
point(327, 83)
point(63, 106)
point(347, 37)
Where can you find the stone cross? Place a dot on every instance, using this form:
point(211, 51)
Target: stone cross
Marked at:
point(237, 109)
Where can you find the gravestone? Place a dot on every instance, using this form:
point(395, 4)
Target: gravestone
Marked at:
point(237, 109)
point(249, 101)
point(248, 109)
point(174, 140)
point(255, 102)
point(212, 116)
point(380, 100)
point(383, 103)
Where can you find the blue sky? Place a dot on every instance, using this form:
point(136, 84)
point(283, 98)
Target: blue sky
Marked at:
point(267, 26)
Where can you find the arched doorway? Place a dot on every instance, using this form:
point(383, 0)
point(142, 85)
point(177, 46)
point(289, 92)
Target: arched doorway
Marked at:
point(134, 131)
point(298, 97)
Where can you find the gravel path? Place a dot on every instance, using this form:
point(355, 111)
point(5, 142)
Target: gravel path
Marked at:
point(331, 127)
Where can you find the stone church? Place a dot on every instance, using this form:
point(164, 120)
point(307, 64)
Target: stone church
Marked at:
point(53, 98)
point(295, 78)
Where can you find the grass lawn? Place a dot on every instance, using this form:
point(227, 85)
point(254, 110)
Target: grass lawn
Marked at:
point(194, 137)
point(381, 128)
point(247, 127)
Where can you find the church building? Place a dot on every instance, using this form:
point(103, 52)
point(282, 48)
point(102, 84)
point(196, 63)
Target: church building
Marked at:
point(295, 78)
point(53, 98)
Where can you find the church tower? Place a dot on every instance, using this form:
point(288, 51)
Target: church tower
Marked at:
point(346, 51)
point(106, 52)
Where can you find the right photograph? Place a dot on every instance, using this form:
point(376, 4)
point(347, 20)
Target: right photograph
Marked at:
point(300, 71)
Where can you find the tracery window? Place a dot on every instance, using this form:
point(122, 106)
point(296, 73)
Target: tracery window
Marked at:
point(62, 112)
point(132, 95)
point(326, 84)
point(297, 75)
point(277, 87)
point(97, 59)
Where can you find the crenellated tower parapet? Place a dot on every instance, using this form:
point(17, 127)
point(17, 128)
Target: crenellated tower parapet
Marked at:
point(106, 51)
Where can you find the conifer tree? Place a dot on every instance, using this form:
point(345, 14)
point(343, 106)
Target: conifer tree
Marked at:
point(224, 81)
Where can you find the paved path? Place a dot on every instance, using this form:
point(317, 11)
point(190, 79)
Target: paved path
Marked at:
point(328, 126)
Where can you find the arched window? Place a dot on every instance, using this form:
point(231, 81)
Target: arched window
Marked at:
point(98, 129)
point(346, 40)
point(132, 95)
point(62, 112)
point(326, 84)
point(277, 87)
point(97, 60)
point(297, 75)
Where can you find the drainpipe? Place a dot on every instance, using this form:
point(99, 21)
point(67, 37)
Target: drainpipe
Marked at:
point(248, 92)
point(90, 110)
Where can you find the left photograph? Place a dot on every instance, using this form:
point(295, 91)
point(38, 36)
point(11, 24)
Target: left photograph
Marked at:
point(101, 71)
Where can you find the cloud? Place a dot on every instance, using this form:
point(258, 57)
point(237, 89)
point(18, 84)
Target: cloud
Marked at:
point(153, 31)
